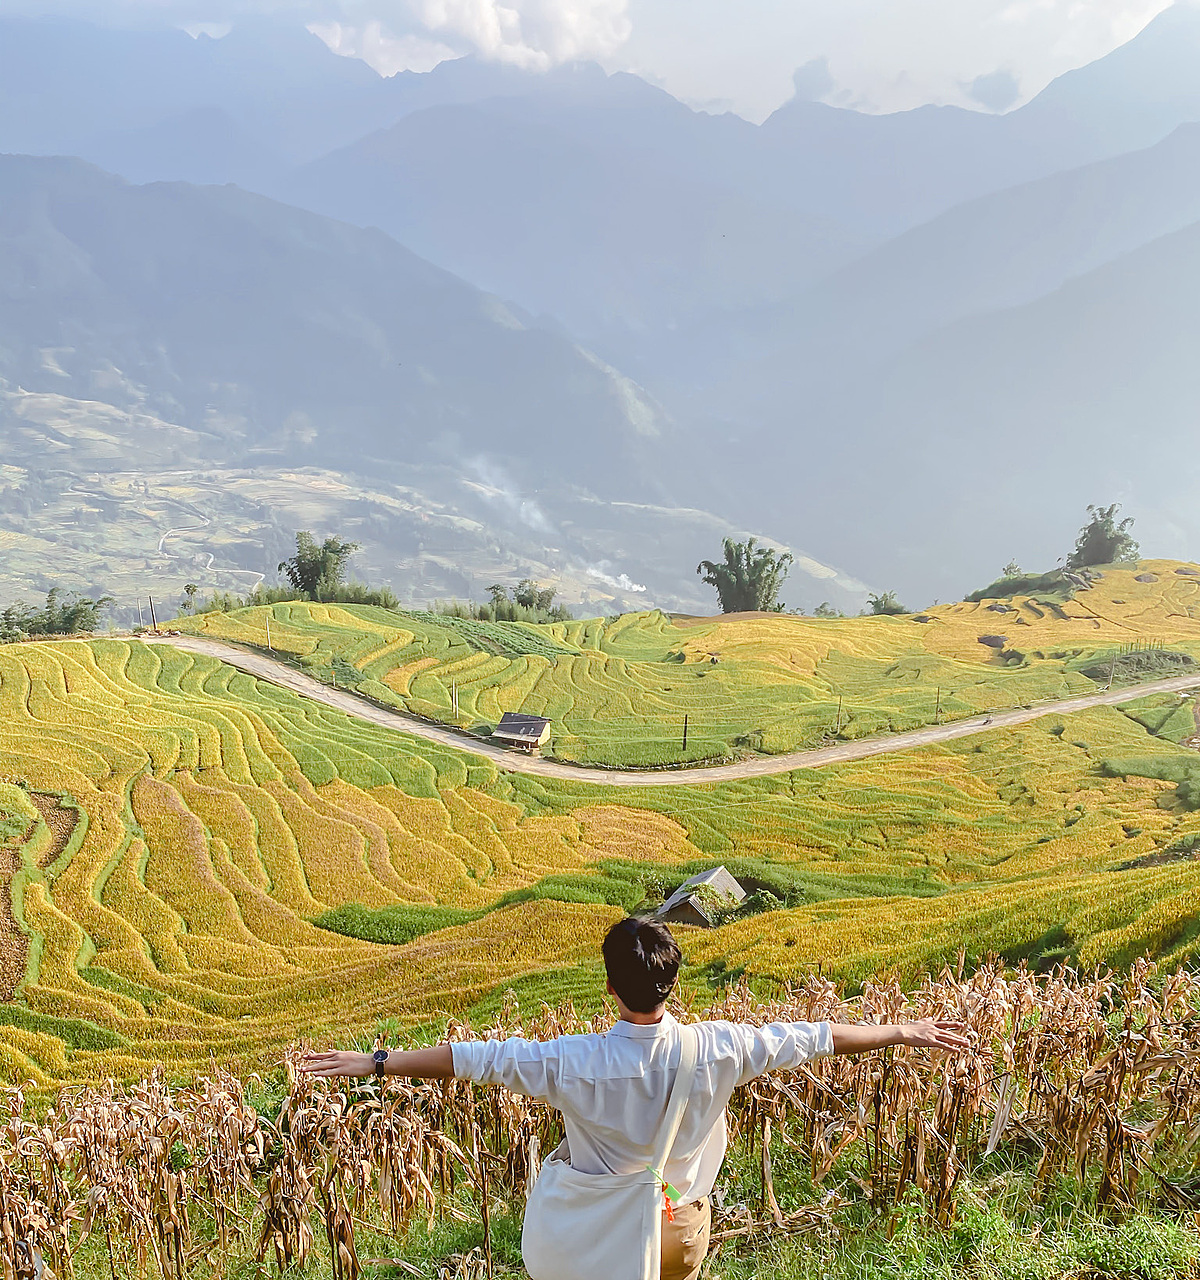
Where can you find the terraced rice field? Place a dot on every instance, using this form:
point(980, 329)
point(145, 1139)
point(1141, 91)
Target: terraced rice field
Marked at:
point(617, 690)
point(216, 818)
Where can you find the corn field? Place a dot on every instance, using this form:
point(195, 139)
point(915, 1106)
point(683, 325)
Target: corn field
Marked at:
point(1097, 1077)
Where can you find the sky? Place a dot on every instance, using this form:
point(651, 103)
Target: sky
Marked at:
point(740, 55)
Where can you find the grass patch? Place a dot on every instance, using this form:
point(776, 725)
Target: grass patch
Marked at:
point(1182, 770)
point(393, 925)
point(1138, 666)
point(75, 1033)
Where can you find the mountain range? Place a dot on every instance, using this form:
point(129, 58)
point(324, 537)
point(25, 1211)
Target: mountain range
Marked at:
point(912, 345)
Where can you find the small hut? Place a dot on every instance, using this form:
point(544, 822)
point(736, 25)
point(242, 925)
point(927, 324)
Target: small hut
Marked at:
point(694, 900)
point(527, 732)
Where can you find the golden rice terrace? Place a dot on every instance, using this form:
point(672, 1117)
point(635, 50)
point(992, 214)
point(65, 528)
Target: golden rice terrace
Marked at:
point(197, 864)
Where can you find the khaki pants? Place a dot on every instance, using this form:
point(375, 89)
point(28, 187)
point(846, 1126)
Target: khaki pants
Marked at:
point(685, 1241)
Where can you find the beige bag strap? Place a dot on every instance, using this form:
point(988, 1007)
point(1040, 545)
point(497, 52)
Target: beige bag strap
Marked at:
point(684, 1078)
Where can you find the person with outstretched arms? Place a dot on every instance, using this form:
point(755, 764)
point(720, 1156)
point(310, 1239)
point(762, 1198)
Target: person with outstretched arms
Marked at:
point(626, 1196)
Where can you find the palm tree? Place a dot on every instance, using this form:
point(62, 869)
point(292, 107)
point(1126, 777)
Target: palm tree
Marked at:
point(885, 602)
point(750, 577)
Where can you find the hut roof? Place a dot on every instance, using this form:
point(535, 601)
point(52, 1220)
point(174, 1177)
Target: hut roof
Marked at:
point(522, 729)
point(689, 898)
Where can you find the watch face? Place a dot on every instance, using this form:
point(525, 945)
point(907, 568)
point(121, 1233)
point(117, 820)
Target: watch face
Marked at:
point(381, 1055)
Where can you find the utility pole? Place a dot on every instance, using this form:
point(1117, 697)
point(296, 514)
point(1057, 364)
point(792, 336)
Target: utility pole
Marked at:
point(685, 720)
point(1112, 671)
point(269, 649)
point(937, 715)
point(839, 719)
point(454, 697)
point(141, 615)
point(153, 617)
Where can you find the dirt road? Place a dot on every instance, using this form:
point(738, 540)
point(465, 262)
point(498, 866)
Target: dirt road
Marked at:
point(286, 677)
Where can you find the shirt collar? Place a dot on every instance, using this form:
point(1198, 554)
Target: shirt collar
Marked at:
point(643, 1031)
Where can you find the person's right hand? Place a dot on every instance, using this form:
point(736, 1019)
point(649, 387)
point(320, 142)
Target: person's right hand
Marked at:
point(933, 1033)
point(337, 1063)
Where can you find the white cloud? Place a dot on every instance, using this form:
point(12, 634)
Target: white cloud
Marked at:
point(387, 53)
point(415, 35)
point(536, 34)
point(618, 582)
point(882, 55)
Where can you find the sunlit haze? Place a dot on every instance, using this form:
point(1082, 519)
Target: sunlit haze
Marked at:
point(877, 55)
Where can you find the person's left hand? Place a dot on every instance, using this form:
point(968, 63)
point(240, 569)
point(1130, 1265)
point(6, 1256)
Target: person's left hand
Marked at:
point(337, 1063)
point(934, 1033)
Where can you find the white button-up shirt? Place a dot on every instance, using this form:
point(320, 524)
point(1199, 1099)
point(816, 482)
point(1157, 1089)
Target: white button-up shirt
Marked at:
point(613, 1089)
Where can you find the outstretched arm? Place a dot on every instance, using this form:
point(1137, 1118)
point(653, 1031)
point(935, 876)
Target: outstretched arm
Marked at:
point(426, 1064)
point(928, 1033)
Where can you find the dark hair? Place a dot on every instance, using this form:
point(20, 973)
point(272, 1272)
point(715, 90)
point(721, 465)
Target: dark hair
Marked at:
point(642, 959)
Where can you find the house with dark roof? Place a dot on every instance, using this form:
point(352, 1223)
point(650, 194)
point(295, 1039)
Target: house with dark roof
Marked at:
point(527, 732)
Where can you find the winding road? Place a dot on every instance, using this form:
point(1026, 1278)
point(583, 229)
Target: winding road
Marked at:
point(279, 673)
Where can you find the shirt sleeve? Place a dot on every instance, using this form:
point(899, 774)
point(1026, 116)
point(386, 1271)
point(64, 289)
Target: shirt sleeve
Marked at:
point(781, 1046)
point(529, 1067)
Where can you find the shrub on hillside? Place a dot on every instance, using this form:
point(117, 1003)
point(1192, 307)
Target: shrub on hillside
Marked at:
point(886, 604)
point(1104, 540)
point(346, 593)
point(1025, 584)
point(66, 613)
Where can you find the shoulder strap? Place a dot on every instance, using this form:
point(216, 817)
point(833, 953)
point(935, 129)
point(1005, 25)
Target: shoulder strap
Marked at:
point(684, 1076)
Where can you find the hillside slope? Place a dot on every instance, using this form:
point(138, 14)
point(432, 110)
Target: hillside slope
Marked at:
point(273, 331)
point(998, 251)
point(633, 220)
point(617, 691)
point(985, 440)
point(201, 823)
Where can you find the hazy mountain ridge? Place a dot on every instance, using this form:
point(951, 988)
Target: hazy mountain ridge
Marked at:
point(255, 364)
point(991, 253)
point(842, 314)
point(1003, 426)
point(269, 328)
point(625, 242)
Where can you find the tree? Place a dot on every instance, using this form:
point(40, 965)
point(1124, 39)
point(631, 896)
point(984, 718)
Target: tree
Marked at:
point(749, 578)
point(525, 594)
point(1103, 540)
point(66, 613)
point(826, 610)
point(528, 595)
point(1011, 570)
point(316, 570)
point(189, 596)
point(498, 594)
point(885, 602)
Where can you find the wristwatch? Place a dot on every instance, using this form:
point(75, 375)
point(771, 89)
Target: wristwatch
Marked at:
point(380, 1057)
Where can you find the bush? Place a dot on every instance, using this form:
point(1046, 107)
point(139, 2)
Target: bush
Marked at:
point(525, 602)
point(1025, 584)
point(65, 614)
point(886, 604)
point(345, 593)
point(1142, 664)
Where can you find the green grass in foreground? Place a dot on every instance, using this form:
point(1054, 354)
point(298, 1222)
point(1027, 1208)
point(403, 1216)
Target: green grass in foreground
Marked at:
point(1002, 1231)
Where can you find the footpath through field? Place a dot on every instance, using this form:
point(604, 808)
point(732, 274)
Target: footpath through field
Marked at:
point(257, 664)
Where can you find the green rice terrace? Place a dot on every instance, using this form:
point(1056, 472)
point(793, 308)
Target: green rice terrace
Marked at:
point(617, 690)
